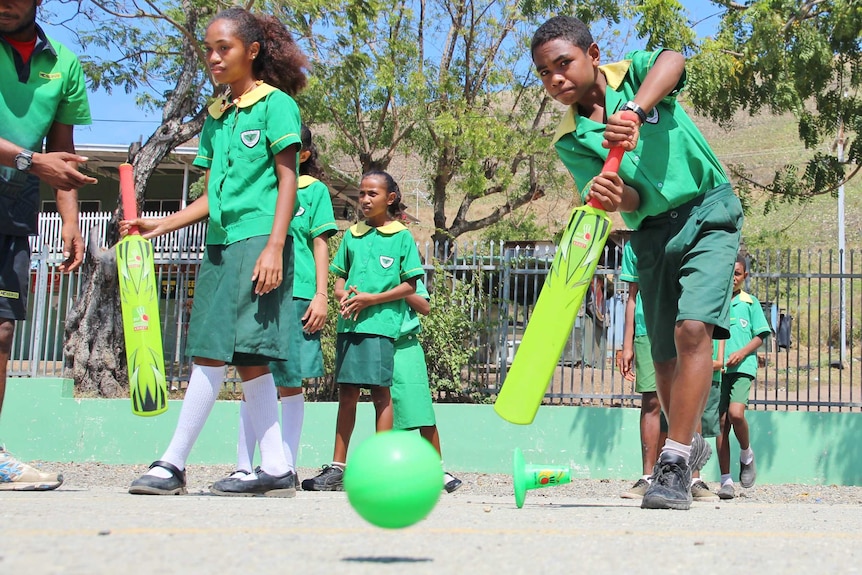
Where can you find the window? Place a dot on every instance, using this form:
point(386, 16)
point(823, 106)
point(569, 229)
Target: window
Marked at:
point(84, 206)
point(161, 205)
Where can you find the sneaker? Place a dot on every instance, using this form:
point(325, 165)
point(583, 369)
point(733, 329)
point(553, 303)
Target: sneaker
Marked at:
point(700, 452)
point(330, 478)
point(700, 491)
point(18, 476)
point(262, 484)
point(152, 485)
point(450, 482)
point(747, 474)
point(637, 491)
point(726, 491)
point(671, 484)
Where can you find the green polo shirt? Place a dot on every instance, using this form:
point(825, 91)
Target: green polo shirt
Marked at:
point(238, 146)
point(629, 273)
point(376, 260)
point(48, 88)
point(747, 321)
point(410, 325)
point(671, 164)
point(313, 218)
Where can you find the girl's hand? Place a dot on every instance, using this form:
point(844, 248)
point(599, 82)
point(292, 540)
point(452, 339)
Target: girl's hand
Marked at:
point(267, 270)
point(625, 363)
point(352, 306)
point(315, 316)
point(148, 227)
point(621, 132)
point(734, 358)
point(607, 188)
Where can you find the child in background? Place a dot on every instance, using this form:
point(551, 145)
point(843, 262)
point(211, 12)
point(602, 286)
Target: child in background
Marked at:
point(748, 327)
point(311, 226)
point(411, 394)
point(377, 265)
point(242, 303)
point(672, 189)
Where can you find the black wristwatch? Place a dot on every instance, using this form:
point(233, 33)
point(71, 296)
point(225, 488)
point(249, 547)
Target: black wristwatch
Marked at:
point(24, 160)
point(633, 107)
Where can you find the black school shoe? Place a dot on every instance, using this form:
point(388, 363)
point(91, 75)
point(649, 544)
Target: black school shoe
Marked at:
point(152, 485)
point(671, 484)
point(264, 484)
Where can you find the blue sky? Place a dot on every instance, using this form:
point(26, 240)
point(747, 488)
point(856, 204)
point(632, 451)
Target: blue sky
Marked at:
point(117, 119)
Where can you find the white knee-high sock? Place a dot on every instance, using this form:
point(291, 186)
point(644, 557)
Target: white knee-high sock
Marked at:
point(204, 385)
point(247, 440)
point(292, 414)
point(263, 412)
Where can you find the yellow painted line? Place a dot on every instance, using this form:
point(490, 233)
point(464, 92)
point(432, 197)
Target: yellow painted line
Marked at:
point(592, 533)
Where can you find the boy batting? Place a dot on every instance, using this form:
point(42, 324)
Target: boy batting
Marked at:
point(671, 189)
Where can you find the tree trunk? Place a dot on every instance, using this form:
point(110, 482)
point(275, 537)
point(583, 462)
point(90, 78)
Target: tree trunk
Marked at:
point(94, 348)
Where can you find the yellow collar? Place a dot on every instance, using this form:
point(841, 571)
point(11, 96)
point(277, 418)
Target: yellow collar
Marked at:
point(259, 93)
point(614, 75)
point(305, 180)
point(360, 229)
point(744, 297)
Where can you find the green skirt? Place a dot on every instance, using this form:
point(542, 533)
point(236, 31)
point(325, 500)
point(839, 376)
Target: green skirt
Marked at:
point(229, 322)
point(306, 356)
point(411, 396)
point(364, 359)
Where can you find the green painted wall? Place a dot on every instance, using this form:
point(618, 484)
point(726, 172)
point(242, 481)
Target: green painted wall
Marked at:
point(43, 421)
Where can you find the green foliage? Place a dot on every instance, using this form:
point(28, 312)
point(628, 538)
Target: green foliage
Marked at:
point(517, 227)
point(781, 56)
point(447, 335)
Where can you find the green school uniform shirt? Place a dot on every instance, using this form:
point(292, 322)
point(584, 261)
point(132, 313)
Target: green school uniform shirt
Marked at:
point(629, 273)
point(313, 218)
point(238, 146)
point(747, 320)
point(48, 88)
point(672, 162)
point(376, 260)
point(410, 325)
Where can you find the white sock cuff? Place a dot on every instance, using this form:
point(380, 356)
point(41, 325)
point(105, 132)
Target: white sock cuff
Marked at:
point(288, 399)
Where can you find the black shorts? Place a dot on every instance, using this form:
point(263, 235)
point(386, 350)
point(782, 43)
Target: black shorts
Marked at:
point(14, 276)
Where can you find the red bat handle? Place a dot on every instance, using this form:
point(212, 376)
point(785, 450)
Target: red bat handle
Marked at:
point(127, 193)
point(615, 156)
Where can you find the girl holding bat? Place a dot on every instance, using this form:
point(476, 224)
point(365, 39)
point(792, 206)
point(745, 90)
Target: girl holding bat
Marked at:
point(249, 146)
point(376, 265)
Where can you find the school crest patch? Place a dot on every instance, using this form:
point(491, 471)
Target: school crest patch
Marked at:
point(652, 118)
point(299, 212)
point(386, 262)
point(250, 138)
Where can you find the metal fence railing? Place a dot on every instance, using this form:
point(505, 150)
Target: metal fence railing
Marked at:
point(807, 297)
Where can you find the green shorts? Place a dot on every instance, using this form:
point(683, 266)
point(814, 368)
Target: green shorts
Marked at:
point(685, 266)
point(364, 359)
point(306, 356)
point(644, 367)
point(229, 322)
point(411, 395)
point(735, 388)
point(709, 420)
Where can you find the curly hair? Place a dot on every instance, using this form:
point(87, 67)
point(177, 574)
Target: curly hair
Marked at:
point(280, 61)
point(391, 188)
point(311, 166)
point(567, 28)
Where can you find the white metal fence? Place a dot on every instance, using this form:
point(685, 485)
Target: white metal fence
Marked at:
point(805, 295)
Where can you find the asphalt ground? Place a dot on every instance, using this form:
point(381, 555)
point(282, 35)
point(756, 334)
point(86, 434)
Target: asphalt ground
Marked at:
point(92, 525)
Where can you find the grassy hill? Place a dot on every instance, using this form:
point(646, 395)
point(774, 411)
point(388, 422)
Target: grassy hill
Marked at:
point(762, 144)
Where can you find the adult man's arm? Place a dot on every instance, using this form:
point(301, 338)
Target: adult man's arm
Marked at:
point(57, 168)
point(60, 140)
